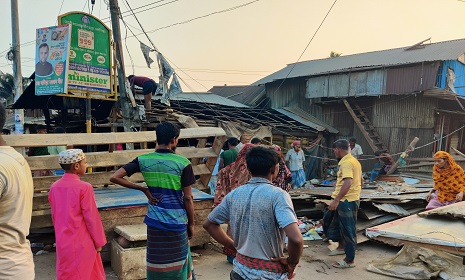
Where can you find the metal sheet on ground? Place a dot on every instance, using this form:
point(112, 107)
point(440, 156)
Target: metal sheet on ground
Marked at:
point(439, 231)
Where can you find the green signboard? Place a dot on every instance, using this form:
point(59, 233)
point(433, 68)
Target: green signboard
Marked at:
point(90, 56)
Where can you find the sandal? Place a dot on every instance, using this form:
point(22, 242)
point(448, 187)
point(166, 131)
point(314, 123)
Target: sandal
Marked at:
point(343, 264)
point(336, 252)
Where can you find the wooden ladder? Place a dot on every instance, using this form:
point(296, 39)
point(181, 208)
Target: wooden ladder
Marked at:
point(365, 126)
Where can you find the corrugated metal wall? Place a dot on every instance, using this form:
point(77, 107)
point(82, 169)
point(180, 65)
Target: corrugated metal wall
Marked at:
point(398, 119)
point(363, 83)
point(459, 71)
point(290, 94)
point(412, 78)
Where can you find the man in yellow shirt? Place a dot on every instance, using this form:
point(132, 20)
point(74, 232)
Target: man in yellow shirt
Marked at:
point(340, 219)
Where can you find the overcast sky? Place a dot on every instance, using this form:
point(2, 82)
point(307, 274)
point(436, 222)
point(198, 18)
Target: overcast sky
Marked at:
point(243, 45)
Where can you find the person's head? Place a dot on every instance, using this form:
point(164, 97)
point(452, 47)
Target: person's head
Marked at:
point(232, 142)
point(225, 145)
point(256, 141)
point(73, 161)
point(262, 162)
point(352, 142)
point(43, 52)
point(130, 77)
point(245, 138)
point(41, 129)
point(167, 135)
point(296, 145)
point(59, 130)
point(442, 159)
point(341, 148)
point(6, 131)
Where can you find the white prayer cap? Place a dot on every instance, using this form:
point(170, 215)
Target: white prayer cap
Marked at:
point(71, 156)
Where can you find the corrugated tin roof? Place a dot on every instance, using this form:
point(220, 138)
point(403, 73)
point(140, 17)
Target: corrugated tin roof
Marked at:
point(303, 117)
point(248, 95)
point(448, 50)
point(205, 98)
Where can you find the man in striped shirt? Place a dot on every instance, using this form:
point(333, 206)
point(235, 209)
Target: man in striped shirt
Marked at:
point(170, 215)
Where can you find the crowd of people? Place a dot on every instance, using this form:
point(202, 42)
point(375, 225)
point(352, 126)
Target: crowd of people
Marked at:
point(250, 195)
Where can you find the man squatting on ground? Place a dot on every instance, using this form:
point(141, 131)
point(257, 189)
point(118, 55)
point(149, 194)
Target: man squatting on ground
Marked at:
point(261, 215)
point(340, 219)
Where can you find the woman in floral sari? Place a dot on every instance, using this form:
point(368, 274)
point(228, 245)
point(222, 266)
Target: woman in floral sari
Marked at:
point(449, 182)
point(229, 178)
point(284, 174)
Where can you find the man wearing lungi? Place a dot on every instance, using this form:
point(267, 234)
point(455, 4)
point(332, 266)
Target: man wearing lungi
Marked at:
point(261, 215)
point(295, 161)
point(170, 215)
point(341, 216)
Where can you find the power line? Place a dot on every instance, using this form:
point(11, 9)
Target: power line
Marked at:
point(308, 44)
point(137, 8)
point(107, 20)
point(204, 16)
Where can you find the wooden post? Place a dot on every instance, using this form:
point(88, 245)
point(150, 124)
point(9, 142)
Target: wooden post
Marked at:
point(410, 148)
point(127, 103)
point(211, 162)
point(458, 152)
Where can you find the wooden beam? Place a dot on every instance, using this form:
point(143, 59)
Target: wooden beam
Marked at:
point(82, 139)
point(360, 126)
point(211, 161)
point(410, 148)
point(104, 159)
point(98, 179)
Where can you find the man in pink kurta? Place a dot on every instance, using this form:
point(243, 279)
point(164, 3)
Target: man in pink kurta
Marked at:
point(78, 229)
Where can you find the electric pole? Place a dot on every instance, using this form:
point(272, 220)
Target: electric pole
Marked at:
point(17, 74)
point(124, 99)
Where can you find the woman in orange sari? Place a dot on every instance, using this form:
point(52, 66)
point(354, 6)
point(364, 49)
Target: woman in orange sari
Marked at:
point(449, 182)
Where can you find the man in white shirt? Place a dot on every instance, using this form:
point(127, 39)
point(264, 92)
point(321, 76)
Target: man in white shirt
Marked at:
point(245, 138)
point(355, 148)
point(295, 161)
point(16, 192)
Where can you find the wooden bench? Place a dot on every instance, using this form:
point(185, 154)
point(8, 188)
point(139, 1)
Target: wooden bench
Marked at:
point(41, 216)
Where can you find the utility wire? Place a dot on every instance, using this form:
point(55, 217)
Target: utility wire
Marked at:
point(204, 16)
point(137, 8)
point(303, 52)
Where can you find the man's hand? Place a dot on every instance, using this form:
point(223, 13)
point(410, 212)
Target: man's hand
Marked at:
point(459, 197)
point(99, 249)
point(289, 267)
point(333, 205)
point(148, 194)
point(190, 231)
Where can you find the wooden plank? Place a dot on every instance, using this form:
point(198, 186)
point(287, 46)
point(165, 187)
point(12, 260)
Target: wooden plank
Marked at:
point(97, 179)
point(211, 162)
point(360, 126)
point(81, 139)
point(104, 159)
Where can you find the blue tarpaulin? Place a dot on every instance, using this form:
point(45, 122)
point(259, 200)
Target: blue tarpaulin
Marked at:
point(107, 198)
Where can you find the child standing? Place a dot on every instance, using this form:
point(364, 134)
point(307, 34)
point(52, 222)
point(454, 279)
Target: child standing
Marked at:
point(78, 229)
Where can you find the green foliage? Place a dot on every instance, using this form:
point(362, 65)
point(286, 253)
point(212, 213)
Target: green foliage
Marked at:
point(333, 54)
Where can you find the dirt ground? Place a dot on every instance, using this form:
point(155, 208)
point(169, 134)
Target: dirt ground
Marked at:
point(210, 264)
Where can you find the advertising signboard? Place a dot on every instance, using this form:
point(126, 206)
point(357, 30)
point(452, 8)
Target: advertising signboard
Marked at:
point(52, 46)
point(90, 59)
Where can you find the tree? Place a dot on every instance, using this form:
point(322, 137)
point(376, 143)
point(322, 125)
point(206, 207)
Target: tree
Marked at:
point(333, 54)
point(7, 85)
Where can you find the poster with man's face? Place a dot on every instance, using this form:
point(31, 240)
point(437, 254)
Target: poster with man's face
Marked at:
point(52, 48)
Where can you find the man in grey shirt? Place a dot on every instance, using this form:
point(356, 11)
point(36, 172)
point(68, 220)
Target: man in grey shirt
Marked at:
point(261, 215)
